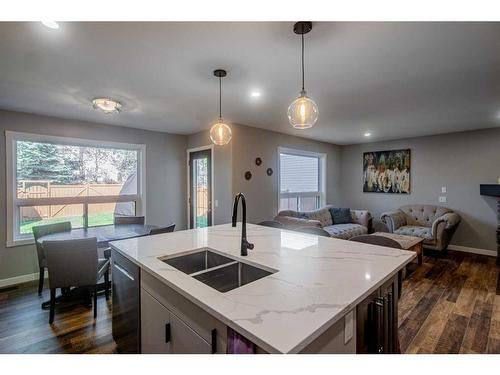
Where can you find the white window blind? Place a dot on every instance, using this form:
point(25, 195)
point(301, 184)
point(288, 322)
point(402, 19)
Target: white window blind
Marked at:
point(299, 173)
point(301, 180)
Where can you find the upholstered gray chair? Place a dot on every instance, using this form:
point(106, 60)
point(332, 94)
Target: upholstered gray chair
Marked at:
point(435, 224)
point(129, 220)
point(74, 263)
point(313, 230)
point(168, 229)
point(43, 230)
point(373, 239)
point(271, 223)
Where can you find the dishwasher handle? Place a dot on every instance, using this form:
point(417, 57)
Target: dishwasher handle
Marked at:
point(123, 271)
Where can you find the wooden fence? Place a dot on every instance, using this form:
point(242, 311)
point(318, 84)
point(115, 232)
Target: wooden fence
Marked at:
point(202, 201)
point(44, 189)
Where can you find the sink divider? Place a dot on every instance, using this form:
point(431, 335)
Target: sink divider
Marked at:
point(213, 268)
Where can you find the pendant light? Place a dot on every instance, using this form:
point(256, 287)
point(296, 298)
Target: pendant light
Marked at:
point(303, 112)
point(220, 133)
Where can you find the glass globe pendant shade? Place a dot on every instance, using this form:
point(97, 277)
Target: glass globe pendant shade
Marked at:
point(220, 133)
point(303, 112)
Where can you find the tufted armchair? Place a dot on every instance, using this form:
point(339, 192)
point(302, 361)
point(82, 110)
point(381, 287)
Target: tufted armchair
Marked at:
point(435, 224)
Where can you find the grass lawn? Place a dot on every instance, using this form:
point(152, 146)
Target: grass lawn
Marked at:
point(201, 222)
point(105, 218)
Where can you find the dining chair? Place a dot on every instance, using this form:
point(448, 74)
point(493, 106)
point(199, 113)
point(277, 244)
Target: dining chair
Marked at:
point(40, 231)
point(373, 239)
point(119, 220)
point(271, 223)
point(313, 230)
point(74, 263)
point(167, 229)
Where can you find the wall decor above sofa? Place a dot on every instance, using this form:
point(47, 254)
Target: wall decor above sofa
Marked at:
point(387, 172)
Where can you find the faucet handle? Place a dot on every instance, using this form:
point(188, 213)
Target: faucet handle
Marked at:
point(250, 245)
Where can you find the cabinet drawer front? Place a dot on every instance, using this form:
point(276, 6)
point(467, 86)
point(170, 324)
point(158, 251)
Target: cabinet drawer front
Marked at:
point(155, 326)
point(185, 340)
point(196, 318)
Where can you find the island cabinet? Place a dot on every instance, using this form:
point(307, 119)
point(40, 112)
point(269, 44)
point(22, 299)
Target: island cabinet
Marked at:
point(172, 324)
point(377, 320)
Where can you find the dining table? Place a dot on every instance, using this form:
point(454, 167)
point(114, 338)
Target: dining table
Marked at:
point(104, 234)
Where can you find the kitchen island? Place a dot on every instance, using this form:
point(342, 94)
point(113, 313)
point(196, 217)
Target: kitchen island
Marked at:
point(302, 293)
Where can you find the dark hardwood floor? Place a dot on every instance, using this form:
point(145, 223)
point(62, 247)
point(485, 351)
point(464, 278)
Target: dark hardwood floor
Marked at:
point(25, 328)
point(450, 304)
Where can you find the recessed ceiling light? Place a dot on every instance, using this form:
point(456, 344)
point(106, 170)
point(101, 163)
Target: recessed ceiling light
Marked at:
point(255, 94)
point(367, 134)
point(50, 24)
point(107, 105)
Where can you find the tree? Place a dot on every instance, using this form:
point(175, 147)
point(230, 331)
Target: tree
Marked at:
point(42, 161)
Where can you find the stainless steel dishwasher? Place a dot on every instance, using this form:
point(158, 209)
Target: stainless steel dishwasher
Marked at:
point(126, 304)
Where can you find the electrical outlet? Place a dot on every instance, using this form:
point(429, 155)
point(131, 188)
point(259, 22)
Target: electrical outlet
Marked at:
point(216, 203)
point(443, 189)
point(442, 199)
point(348, 326)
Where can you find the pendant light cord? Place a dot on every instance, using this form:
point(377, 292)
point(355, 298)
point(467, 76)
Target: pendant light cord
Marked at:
point(220, 97)
point(302, 62)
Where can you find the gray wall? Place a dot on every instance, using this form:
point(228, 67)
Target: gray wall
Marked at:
point(165, 173)
point(459, 161)
point(233, 160)
point(262, 191)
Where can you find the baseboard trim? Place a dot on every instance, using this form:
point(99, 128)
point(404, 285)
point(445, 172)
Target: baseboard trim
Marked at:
point(19, 279)
point(473, 250)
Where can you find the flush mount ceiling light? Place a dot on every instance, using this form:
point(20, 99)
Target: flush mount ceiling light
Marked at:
point(367, 134)
point(220, 133)
point(107, 105)
point(50, 24)
point(303, 112)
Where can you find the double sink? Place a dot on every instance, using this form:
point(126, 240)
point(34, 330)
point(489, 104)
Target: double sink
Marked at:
point(215, 270)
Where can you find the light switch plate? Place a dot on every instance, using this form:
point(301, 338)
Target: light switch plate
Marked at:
point(442, 199)
point(443, 189)
point(348, 326)
point(216, 203)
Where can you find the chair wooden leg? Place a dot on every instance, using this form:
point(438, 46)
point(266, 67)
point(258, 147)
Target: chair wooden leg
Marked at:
point(52, 305)
point(106, 284)
point(41, 277)
point(95, 302)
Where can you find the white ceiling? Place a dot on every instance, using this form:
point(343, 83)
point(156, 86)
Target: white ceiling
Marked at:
point(394, 80)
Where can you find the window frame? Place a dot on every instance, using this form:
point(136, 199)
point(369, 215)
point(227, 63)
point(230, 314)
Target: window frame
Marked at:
point(14, 237)
point(321, 194)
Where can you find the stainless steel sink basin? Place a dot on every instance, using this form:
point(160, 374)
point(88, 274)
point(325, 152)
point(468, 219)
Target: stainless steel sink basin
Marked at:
point(231, 276)
point(197, 261)
point(215, 270)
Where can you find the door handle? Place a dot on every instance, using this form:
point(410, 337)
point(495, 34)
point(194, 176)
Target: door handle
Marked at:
point(380, 324)
point(124, 272)
point(214, 341)
point(167, 333)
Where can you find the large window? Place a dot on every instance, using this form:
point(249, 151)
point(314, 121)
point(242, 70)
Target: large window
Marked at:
point(301, 180)
point(54, 179)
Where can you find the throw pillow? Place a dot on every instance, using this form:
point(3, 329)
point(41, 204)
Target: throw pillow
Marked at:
point(341, 215)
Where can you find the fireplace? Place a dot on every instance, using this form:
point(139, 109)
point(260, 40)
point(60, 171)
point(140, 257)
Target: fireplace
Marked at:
point(493, 190)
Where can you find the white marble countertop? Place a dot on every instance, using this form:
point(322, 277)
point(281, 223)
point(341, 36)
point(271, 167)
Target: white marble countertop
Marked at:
point(318, 281)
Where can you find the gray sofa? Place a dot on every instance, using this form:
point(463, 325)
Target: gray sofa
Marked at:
point(321, 218)
point(435, 224)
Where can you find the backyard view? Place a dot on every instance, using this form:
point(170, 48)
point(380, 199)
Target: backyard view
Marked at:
point(46, 170)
